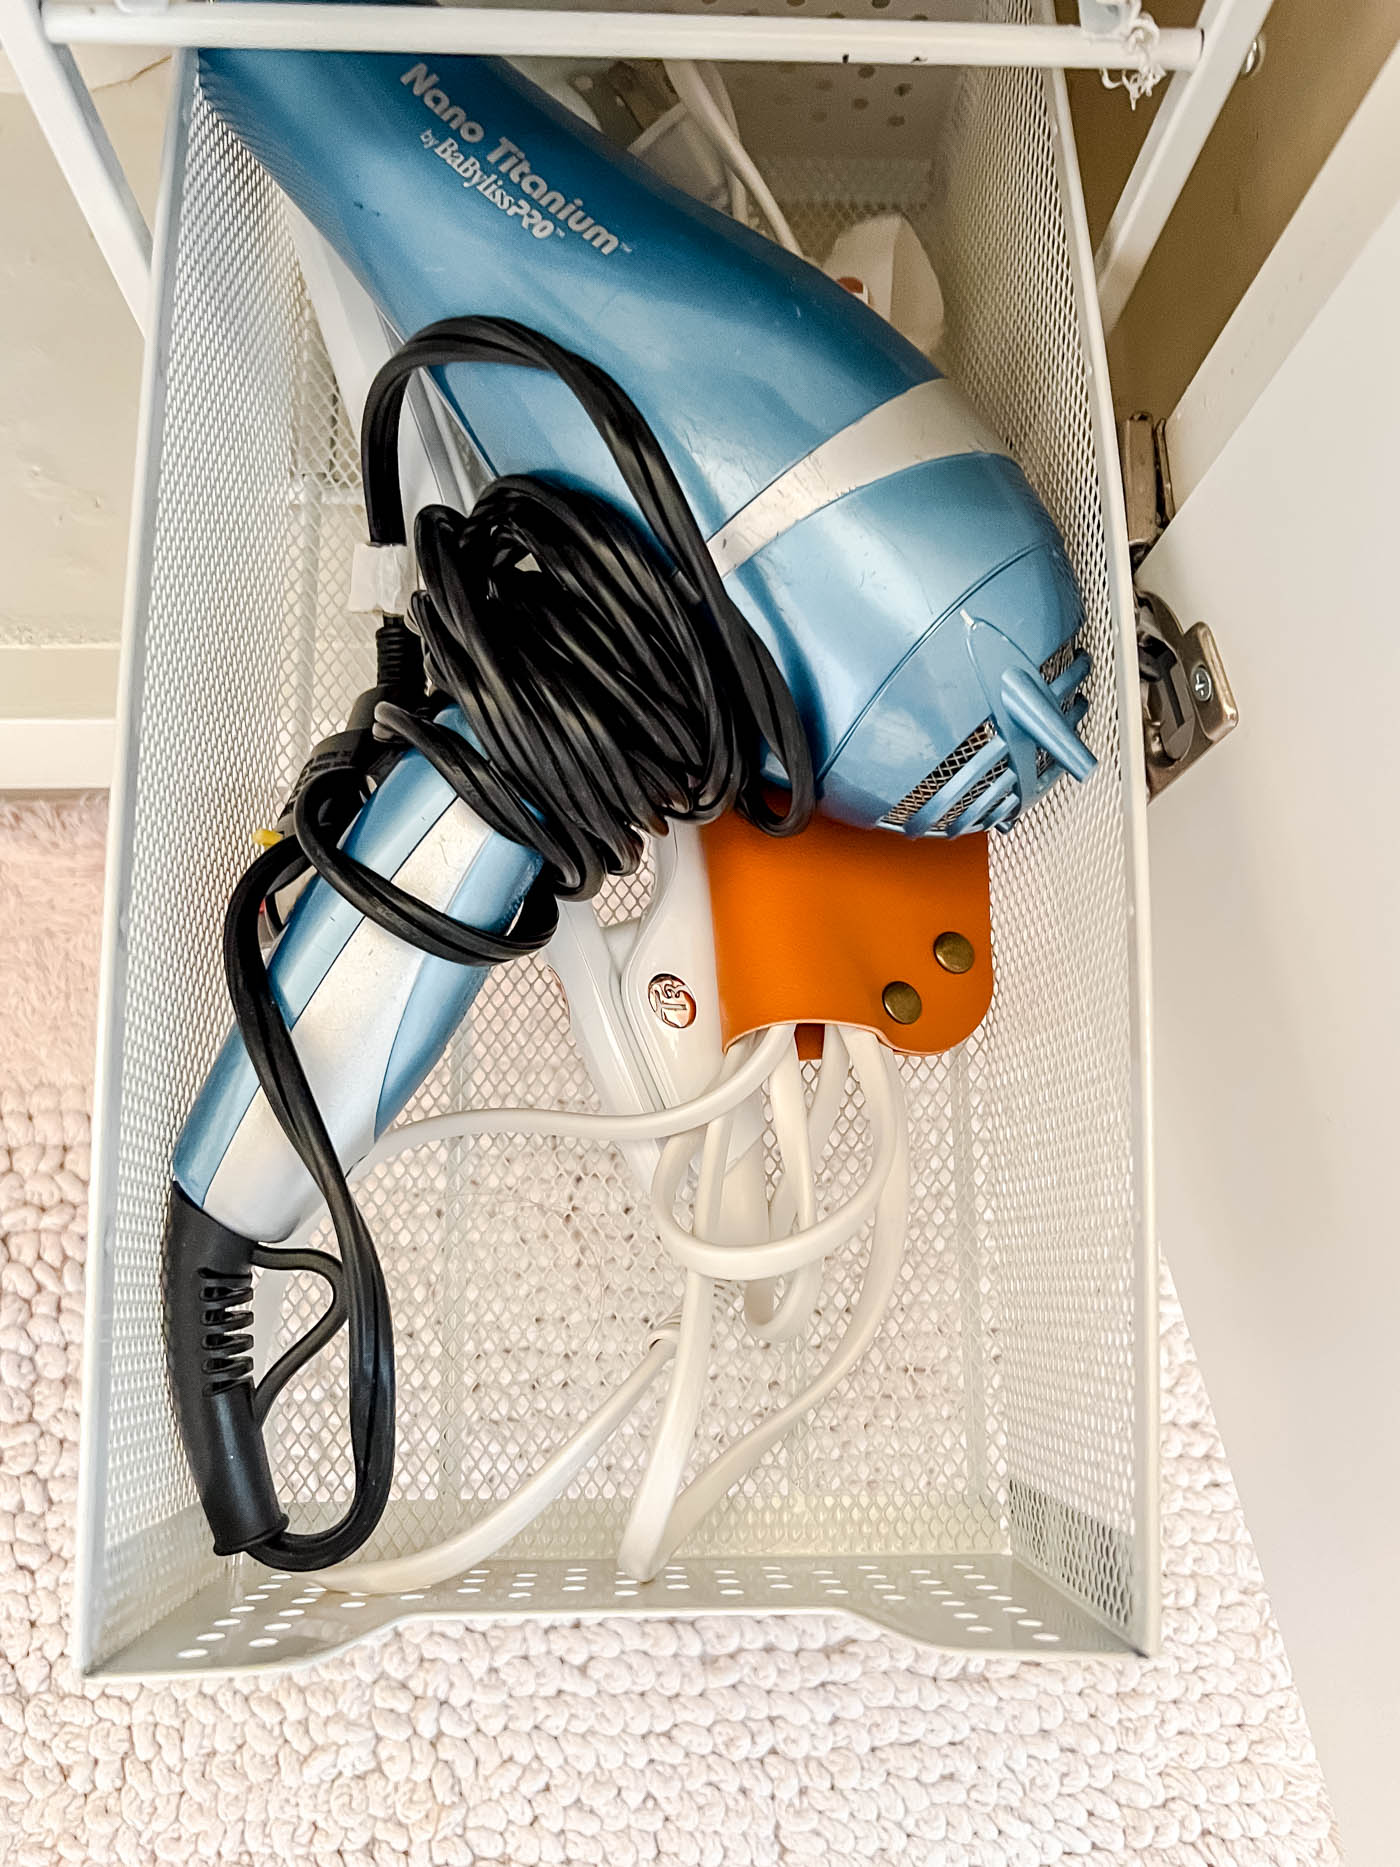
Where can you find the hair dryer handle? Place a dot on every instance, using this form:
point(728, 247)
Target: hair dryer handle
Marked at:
point(369, 1014)
point(207, 1289)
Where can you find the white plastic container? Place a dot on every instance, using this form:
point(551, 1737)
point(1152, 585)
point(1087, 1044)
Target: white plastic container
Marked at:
point(987, 1479)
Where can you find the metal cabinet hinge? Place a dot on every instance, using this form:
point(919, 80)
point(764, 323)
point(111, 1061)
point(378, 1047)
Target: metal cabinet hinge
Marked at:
point(1187, 705)
point(1147, 482)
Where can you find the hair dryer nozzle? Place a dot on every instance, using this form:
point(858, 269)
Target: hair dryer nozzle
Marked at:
point(1029, 704)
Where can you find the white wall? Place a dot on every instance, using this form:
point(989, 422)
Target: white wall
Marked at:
point(1276, 916)
point(69, 375)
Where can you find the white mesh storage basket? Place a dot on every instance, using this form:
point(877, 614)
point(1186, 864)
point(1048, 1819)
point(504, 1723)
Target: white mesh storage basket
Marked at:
point(986, 1478)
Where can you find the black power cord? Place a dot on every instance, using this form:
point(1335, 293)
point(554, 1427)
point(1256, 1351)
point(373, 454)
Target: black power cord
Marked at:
point(608, 682)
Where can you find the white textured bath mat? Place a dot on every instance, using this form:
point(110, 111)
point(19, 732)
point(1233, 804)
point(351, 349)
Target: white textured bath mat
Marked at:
point(717, 1742)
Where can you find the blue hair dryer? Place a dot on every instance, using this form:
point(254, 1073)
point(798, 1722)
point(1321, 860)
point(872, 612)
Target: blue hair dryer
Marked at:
point(875, 534)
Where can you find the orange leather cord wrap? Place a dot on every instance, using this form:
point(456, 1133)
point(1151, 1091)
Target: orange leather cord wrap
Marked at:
point(840, 926)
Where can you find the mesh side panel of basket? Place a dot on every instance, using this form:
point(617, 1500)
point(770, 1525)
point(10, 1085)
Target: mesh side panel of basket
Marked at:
point(1058, 1208)
point(997, 1412)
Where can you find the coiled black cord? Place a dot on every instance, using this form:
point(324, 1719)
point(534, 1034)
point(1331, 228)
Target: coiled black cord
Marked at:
point(608, 683)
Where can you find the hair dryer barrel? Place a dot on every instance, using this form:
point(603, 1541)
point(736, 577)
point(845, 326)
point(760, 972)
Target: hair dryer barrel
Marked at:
point(454, 186)
point(866, 517)
point(370, 1014)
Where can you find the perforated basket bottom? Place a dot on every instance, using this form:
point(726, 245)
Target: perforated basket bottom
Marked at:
point(988, 1603)
point(996, 1424)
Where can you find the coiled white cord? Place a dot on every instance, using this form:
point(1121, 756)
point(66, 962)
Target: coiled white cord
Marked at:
point(735, 1238)
point(662, 1514)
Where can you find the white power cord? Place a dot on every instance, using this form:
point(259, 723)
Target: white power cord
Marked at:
point(701, 88)
point(663, 1514)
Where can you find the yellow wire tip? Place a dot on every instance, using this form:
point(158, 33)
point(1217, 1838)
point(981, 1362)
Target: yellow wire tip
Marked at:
point(267, 839)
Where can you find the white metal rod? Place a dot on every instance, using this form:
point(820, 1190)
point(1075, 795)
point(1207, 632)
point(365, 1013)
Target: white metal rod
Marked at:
point(66, 114)
point(1178, 134)
point(288, 25)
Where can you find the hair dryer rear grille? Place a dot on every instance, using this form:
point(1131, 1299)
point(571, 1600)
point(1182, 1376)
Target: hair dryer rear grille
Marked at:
point(908, 806)
point(1051, 670)
point(931, 785)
